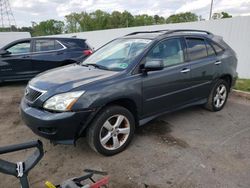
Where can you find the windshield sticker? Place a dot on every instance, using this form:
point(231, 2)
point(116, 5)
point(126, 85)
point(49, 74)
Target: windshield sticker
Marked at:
point(123, 65)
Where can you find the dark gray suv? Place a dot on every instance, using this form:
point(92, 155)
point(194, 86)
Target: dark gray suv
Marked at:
point(127, 83)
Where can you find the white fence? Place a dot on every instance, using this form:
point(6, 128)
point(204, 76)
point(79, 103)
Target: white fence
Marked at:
point(235, 32)
point(7, 37)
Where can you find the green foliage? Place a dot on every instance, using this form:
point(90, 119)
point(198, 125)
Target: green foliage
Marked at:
point(182, 17)
point(243, 85)
point(49, 27)
point(221, 15)
point(76, 22)
point(97, 20)
point(226, 15)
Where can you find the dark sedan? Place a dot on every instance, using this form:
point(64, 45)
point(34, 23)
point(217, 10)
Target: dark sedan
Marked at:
point(25, 58)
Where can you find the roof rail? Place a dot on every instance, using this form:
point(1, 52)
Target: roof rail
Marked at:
point(188, 30)
point(138, 32)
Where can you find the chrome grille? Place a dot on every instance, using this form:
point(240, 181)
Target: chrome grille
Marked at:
point(31, 94)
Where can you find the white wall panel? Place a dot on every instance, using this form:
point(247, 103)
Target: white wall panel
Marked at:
point(7, 37)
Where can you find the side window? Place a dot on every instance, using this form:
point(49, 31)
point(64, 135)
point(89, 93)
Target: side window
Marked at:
point(20, 48)
point(76, 43)
point(196, 48)
point(210, 50)
point(217, 48)
point(47, 45)
point(169, 51)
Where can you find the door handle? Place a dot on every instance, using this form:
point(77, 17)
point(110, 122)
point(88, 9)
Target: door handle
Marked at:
point(185, 70)
point(217, 62)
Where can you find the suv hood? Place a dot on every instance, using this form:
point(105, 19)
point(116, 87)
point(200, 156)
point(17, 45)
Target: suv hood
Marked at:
point(69, 77)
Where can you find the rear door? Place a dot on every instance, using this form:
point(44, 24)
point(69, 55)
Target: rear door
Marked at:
point(17, 64)
point(47, 54)
point(202, 60)
point(168, 88)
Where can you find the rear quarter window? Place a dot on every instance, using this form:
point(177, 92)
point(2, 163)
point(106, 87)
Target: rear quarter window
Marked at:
point(217, 48)
point(76, 44)
point(210, 49)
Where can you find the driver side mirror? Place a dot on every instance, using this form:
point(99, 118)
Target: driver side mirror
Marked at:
point(4, 52)
point(153, 65)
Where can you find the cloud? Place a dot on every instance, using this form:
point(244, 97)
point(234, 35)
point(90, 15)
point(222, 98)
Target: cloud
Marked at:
point(191, 6)
point(38, 10)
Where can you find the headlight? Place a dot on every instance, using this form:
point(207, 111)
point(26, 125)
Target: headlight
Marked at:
point(63, 101)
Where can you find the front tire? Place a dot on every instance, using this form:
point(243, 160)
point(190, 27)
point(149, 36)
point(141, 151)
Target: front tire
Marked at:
point(218, 96)
point(111, 131)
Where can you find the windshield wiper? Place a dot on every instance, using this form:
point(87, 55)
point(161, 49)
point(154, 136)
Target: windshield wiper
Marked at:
point(95, 65)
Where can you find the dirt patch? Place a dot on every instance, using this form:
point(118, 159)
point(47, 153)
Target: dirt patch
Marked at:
point(162, 131)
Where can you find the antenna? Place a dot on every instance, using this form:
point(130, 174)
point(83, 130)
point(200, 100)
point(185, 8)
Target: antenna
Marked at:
point(7, 19)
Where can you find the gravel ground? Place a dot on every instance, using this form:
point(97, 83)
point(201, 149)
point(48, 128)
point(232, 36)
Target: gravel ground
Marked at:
point(186, 149)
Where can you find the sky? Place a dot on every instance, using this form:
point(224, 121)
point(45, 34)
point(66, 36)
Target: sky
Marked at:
point(26, 11)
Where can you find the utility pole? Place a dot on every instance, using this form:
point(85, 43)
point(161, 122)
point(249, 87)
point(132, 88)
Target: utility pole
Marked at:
point(7, 19)
point(211, 10)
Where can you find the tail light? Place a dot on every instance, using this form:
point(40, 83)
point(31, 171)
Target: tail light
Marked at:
point(87, 52)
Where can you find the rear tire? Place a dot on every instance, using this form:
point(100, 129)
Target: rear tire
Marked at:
point(218, 96)
point(111, 131)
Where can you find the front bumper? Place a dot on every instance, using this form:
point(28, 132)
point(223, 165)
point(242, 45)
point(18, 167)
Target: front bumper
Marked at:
point(62, 127)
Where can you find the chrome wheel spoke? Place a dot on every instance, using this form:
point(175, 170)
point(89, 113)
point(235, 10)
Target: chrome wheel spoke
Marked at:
point(218, 102)
point(106, 138)
point(108, 126)
point(119, 121)
point(222, 90)
point(124, 130)
point(116, 142)
point(223, 97)
point(216, 97)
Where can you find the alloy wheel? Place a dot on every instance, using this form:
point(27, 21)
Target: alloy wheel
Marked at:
point(114, 132)
point(220, 96)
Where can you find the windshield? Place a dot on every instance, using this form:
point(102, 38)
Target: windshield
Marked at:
point(117, 55)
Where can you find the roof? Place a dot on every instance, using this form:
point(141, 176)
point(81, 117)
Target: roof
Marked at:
point(55, 38)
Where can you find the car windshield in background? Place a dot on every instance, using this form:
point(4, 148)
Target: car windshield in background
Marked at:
point(118, 54)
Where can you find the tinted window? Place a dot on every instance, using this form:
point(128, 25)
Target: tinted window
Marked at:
point(20, 48)
point(217, 48)
point(47, 45)
point(196, 48)
point(75, 43)
point(170, 51)
point(210, 50)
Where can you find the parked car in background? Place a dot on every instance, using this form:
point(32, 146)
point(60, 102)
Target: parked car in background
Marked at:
point(25, 58)
point(127, 83)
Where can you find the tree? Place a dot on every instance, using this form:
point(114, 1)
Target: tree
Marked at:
point(116, 20)
point(144, 19)
point(159, 19)
point(72, 22)
point(100, 19)
point(48, 27)
point(128, 19)
point(221, 15)
point(226, 15)
point(182, 17)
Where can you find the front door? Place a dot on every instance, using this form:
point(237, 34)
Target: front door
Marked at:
point(168, 88)
point(17, 63)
